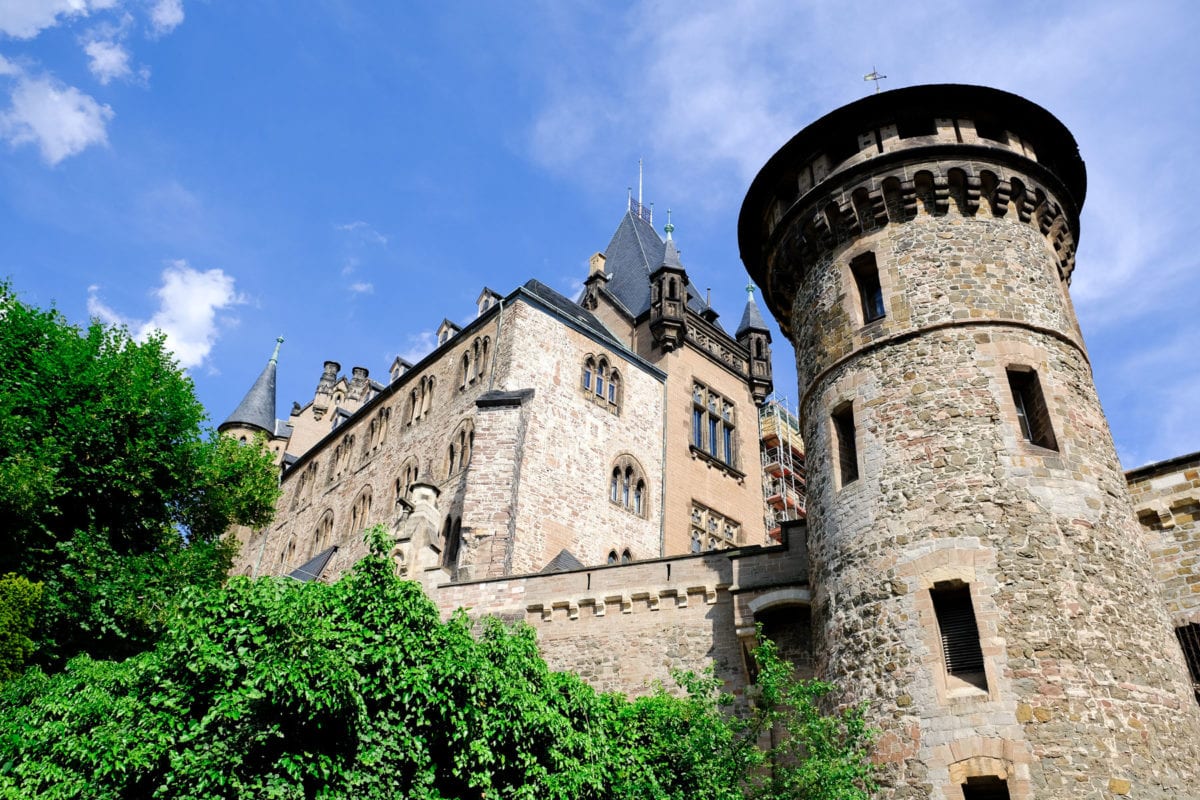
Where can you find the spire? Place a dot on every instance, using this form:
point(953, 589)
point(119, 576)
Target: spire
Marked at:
point(669, 228)
point(257, 409)
point(752, 319)
point(670, 252)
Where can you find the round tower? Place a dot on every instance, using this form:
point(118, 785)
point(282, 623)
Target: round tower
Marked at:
point(977, 570)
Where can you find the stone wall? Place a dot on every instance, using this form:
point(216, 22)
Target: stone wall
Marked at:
point(625, 628)
point(1166, 499)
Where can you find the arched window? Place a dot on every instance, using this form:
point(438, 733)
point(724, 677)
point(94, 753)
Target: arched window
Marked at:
point(450, 467)
point(626, 556)
point(413, 406)
point(467, 375)
point(360, 512)
point(462, 443)
point(628, 486)
point(323, 534)
point(601, 383)
point(612, 556)
point(482, 362)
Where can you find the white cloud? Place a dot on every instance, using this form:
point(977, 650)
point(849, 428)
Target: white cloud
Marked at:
point(166, 16)
point(363, 231)
point(109, 60)
point(61, 120)
point(362, 287)
point(24, 19)
point(419, 345)
point(187, 312)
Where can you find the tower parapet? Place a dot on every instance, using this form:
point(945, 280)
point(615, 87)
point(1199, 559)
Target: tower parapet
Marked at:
point(978, 575)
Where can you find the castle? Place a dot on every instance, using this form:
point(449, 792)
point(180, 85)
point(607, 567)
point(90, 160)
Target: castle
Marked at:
point(970, 565)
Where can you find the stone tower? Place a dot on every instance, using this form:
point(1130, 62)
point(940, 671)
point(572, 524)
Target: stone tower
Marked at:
point(977, 572)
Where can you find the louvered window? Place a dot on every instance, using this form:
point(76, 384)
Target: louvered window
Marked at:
point(956, 625)
point(1032, 414)
point(1189, 640)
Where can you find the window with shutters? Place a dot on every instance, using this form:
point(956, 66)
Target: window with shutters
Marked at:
point(1189, 640)
point(1033, 418)
point(844, 439)
point(961, 651)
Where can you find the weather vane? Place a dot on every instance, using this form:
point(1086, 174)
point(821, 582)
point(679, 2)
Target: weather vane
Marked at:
point(874, 75)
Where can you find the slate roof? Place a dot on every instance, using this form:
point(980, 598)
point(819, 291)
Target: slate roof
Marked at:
point(258, 406)
point(563, 562)
point(572, 310)
point(752, 319)
point(311, 570)
point(634, 252)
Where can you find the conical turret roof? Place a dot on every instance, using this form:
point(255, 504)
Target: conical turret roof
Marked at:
point(257, 408)
point(752, 319)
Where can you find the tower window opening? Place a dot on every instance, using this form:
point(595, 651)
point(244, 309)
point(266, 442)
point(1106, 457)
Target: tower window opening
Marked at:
point(870, 293)
point(845, 434)
point(1189, 641)
point(1032, 415)
point(987, 787)
point(959, 633)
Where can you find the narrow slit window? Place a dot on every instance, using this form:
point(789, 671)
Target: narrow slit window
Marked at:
point(844, 432)
point(959, 633)
point(870, 293)
point(1032, 415)
point(1189, 640)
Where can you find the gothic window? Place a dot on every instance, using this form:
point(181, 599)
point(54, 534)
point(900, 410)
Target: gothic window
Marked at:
point(323, 533)
point(408, 476)
point(870, 293)
point(461, 445)
point(414, 406)
point(1033, 417)
point(612, 556)
point(601, 383)
point(627, 486)
point(360, 512)
point(427, 391)
point(961, 651)
point(713, 424)
point(481, 362)
point(711, 530)
point(466, 375)
point(626, 556)
point(844, 435)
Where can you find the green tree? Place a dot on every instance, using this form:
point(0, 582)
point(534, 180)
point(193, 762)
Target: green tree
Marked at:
point(275, 688)
point(19, 601)
point(110, 489)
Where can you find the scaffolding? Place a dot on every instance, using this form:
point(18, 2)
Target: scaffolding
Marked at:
point(784, 477)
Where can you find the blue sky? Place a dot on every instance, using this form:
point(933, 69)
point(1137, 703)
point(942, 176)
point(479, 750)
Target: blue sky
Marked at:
point(346, 174)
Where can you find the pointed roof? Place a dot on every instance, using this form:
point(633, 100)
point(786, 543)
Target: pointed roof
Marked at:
point(752, 319)
point(257, 408)
point(635, 251)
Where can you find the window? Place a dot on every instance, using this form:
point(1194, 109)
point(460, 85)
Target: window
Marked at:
point(870, 293)
point(467, 375)
point(713, 424)
point(961, 652)
point(462, 443)
point(601, 383)
point(360, 512)
point(627, 486)
point(844, 434)
point(987, 787)
point(1033, 418)
point(612, 556)
point(452, 536)
point(712, 531)
point(322, 534)
point(1189, 640)
point(408, 476)
point(626, 556)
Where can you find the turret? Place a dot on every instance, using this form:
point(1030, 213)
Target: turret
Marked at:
point(256, 413)
point(978, 575)
point(754, 335)
point(668, 298)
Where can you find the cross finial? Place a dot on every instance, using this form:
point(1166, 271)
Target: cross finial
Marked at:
point(749, 291)
point(874, 75)
point(275, 355)
point(669, 227)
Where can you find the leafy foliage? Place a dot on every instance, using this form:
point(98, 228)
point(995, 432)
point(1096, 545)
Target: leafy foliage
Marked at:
point(274, 688)
point(109, 489)
point(19, 601)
